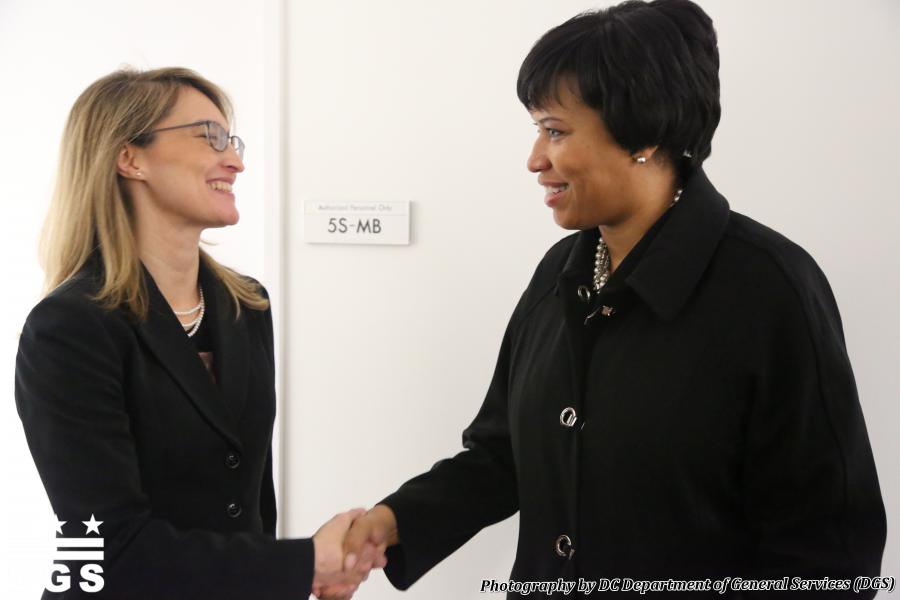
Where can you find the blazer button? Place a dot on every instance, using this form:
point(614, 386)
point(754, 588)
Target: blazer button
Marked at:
point(584, 293)
point(564, 547)
point(232, 459)
point(234, 510)
point(568, 417)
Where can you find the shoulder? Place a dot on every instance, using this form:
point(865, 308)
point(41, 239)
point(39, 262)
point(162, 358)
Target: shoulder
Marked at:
point(230, 290)
point(767, 252)
point(255, 283)
point(768, 242)
point(72, 305)
point(264, 314)
point(246, 283)
point(779, 280)
point(68, 331)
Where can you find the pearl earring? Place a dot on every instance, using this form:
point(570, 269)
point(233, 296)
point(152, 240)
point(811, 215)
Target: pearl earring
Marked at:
point(641, 160)
point(139, 174)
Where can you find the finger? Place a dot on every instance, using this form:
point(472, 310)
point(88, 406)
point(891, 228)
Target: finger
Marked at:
point(355, 513)
point(346, 518)
point(366, 558)
point(380, 562)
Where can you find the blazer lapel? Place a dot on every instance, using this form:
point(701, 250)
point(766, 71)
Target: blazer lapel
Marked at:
point(165, 337)
point(231, 343)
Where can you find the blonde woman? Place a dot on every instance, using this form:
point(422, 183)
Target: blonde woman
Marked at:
point(145, 376)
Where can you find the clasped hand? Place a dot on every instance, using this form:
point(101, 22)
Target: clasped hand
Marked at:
point(348, 547)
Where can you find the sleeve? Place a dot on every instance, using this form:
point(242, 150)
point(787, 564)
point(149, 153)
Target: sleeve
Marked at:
point(812, 496)
point(267, 506)
point(440, 510)
point(69, 394)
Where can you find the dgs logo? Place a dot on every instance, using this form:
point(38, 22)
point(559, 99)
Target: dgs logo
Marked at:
point(91, 578)
point(87, 550)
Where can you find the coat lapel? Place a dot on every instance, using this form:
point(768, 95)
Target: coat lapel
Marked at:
point(231, 343)
point(165, 337)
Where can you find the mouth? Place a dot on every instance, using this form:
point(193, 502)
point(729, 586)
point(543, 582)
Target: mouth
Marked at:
point(220, 186)
point(552, 193)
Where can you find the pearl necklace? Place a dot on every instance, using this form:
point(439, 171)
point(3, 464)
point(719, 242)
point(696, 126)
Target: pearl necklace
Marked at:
point(601, 260)
point(192, 327)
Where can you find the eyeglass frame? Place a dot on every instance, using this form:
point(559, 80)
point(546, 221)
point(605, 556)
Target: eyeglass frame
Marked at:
point(236, 142)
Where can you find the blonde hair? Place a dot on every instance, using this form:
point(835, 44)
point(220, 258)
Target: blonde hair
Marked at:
point(90, 210)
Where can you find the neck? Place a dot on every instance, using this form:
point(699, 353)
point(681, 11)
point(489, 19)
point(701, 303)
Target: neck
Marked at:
point(172, 256)
point(621, 236)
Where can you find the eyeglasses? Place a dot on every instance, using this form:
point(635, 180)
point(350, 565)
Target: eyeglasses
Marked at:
point(216, 136)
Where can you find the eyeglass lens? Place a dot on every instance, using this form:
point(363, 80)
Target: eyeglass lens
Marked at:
point(219, 139)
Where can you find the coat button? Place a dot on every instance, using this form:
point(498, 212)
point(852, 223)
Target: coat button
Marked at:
point(232, 459)
point(234, 510)
point(568, 417)
point(564, 546)
point(584, 293)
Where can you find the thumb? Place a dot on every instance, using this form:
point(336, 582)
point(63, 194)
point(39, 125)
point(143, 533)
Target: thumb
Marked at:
point(355, 513)
point(345, 519)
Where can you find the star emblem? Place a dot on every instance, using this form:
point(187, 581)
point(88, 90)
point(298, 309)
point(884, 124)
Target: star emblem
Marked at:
point(59, 525)
point(93, 525)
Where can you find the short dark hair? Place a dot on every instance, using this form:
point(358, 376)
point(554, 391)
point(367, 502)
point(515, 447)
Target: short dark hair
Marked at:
point(651, 69)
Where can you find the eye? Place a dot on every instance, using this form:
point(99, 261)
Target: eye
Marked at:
point(551, 133)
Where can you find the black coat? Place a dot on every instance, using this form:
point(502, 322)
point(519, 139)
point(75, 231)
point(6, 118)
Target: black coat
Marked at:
point(125, 423)
point(696, 419)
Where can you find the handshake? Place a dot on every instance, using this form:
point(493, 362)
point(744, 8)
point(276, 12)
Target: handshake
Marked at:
point(349, 546)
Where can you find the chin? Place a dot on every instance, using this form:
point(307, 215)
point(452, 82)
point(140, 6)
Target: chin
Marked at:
point(229, 218)
point(566, 221)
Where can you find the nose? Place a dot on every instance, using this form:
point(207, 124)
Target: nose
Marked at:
point(233, 162)
point(537, 160)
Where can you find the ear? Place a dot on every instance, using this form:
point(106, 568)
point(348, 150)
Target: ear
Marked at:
point(128, 163)
point(649, 152)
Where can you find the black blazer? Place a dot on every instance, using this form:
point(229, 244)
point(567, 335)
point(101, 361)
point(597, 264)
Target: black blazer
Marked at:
point(696, 419)
point(125, 423)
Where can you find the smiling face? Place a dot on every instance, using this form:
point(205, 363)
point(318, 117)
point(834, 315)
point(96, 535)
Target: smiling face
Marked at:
point(589, 179)
point(184, 179)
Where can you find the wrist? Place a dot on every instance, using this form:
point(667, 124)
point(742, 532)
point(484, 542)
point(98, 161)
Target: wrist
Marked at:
point(388, 521)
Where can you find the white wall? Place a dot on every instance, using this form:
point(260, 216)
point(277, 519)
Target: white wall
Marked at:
point(49, 52)
point(391, 349)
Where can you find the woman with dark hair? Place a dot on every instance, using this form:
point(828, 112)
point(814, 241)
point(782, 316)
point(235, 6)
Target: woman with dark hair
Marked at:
point(673, 397)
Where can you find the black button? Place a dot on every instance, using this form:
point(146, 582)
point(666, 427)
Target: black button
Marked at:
point(232, 460)
point(234, 510)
